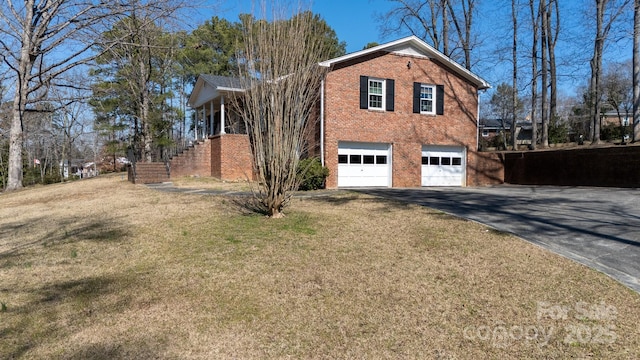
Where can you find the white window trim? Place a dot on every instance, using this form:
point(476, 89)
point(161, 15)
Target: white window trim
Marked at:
point(384, 91)
point(433, 99)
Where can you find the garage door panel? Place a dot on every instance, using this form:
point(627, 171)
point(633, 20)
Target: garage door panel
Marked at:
point(443, 166)
point(364, 164)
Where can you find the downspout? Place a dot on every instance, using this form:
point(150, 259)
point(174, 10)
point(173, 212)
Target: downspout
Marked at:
point(322, 122)
point(477, 149)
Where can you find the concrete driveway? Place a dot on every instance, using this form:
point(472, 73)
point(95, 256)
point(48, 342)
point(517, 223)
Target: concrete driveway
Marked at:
point(598, 227)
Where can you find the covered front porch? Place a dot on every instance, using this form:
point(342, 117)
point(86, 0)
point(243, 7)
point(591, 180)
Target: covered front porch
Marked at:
point(221, 146)
point(210, 100)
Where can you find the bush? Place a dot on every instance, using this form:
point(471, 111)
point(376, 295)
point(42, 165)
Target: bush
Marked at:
point(311, 174)
point(610, 132)
point(558, 131)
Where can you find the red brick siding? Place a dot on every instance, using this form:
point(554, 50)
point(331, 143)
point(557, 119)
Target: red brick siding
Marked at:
point(235, 159)
point(226, 157)
point(406, 131)
point(149, 173)
point(486, 168)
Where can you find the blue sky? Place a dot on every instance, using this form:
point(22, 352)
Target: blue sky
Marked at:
point(353, 20)
point(356, 22)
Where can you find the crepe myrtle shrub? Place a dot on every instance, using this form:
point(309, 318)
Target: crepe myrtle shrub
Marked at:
point(281, 78)
point(311, 174)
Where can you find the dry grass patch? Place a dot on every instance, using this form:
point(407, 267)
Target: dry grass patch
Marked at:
point(106, 269)
point(193, 182)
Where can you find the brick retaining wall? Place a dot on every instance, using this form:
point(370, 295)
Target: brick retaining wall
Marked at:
point(148, 173)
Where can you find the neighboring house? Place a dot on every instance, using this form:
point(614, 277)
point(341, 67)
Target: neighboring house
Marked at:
point(612, 118)
point(490, 128)
point(400, 114)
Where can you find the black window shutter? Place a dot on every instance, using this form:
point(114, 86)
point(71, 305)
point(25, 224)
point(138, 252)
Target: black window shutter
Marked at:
point(389, 101)
point(364, 92)
point(416, 97)
point(440, 99)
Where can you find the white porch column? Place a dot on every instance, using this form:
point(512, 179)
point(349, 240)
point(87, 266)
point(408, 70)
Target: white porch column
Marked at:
point(212, 130)
point(204, 121)
point(195, 125)
point(222, 115)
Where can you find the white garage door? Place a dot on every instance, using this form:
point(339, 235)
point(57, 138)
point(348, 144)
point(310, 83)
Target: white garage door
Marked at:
point(364, 164)
point(443, 166)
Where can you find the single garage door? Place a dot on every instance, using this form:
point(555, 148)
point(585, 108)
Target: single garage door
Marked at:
point(443, 166)
point(364, 164)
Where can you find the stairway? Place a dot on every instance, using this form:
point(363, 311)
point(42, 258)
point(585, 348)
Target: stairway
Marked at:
point(149, 173)
point(195, 160)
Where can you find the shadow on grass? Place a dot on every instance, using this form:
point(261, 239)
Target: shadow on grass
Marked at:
point(108, 351)
point(77, 290)
point(341, 199)
point(66, 230)
point(71, 302)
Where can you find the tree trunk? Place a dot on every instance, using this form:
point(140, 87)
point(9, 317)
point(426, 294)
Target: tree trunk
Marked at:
point(514, 97)
point(534, 74)
point(636, 71)
point(468, 22)
point(445, 27)
point(16, 137)
point(596, 72)
point(464, 33)
point(544, 112)
point(552, 40)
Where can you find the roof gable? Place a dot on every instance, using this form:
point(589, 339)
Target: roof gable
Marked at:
point(209, 87)
point(411, 46)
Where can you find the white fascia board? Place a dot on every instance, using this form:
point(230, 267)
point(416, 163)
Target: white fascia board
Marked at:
point(427, 50)
point(228, 89)
point(195, 101)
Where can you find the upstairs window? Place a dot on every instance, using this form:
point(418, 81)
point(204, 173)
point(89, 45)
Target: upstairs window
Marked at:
point(426, 99)
point(377, 94)
point(376, 91)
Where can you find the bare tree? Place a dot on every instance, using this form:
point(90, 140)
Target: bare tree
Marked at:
point(463, 26)
point(549, 31)
point(607, 12)
point(424, 19)
point(553, 31)
point(617, 91)
point(282, 77)
point(431, 20)
point(69, 122)
point(41, 40)
point(544, 74)
point(514, 57)
point(534, 72)
point(31, 34)
point(636, 70)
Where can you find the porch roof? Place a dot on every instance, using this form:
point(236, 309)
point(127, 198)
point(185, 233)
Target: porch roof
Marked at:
point(210, 87)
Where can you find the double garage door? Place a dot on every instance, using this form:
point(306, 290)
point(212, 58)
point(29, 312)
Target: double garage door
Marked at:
point(369, 164)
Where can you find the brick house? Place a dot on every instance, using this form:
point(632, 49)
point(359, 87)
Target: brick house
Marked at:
point(400, 114)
